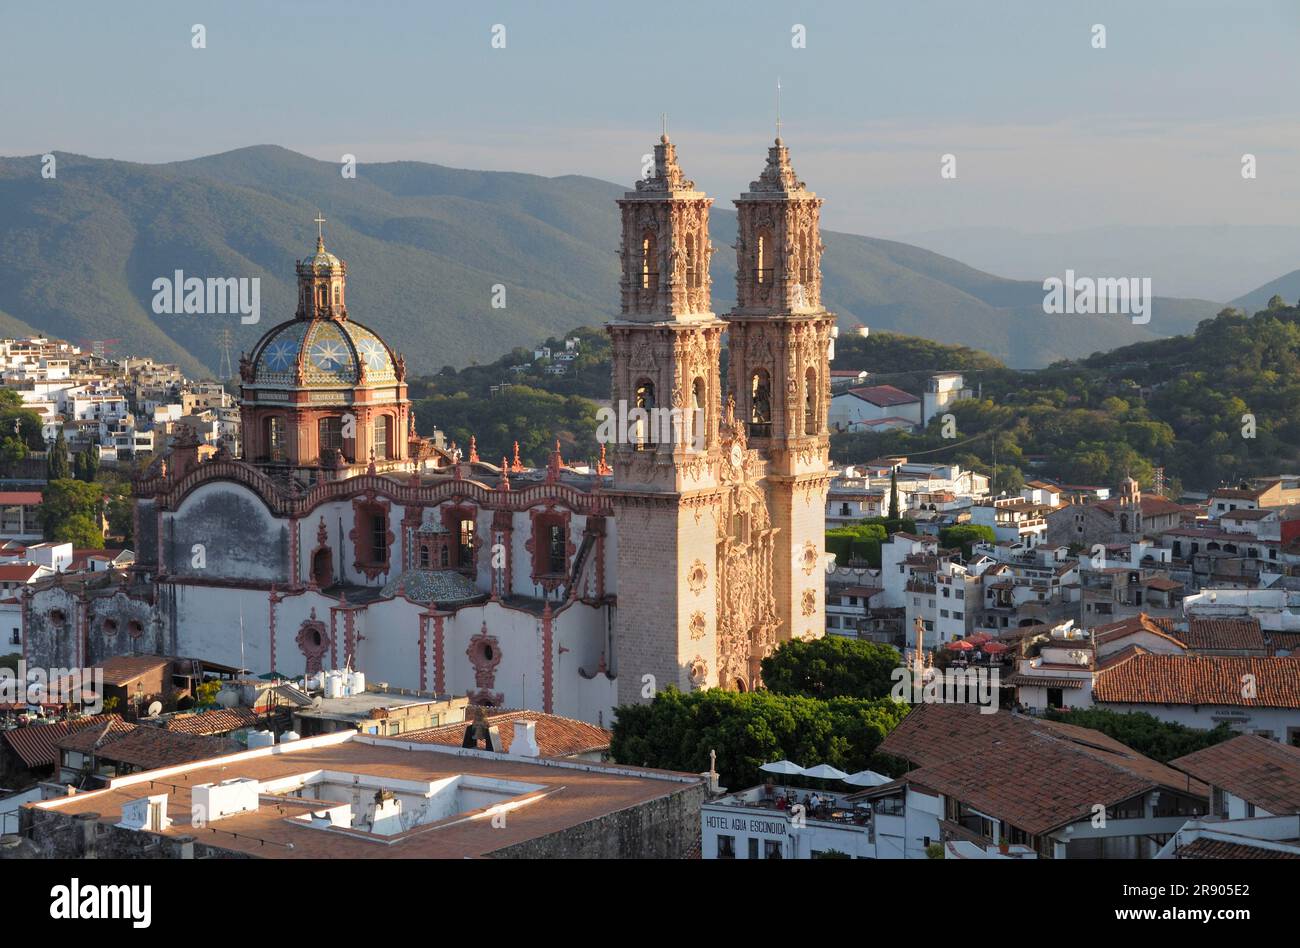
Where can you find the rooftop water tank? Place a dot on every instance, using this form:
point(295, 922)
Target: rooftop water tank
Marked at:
point(288, 736)
point(260, 739)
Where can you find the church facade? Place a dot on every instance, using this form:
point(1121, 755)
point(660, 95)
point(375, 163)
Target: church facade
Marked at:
point(342, 538)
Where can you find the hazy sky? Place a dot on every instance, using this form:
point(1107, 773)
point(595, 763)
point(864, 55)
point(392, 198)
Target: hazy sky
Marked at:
point(1050, 134)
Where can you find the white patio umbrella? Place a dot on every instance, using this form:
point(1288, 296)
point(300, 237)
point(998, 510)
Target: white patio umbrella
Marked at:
point(783, 768)
point(825, 772)
point(867, 778)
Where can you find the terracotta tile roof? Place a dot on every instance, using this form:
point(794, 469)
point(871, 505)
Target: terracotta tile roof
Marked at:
point(1200, 679)
point(124, 669)
point(1259, 771)
point(556, 736)
point(34, 744)
point(1153, 505)
point(1162, 582)
point(19, 572)
point(1218, 633)
point(1162, 627)
point(1205, 848)
point(1037, 775)
point(215, 721)
point(146, 748)
point(1285, 640)
point(94, 739)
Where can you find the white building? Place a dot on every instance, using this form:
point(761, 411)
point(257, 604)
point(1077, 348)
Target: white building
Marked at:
point(941, 391)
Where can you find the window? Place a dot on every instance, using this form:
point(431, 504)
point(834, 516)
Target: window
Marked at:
point(772, 849)
point(15, 639)
point(275, 439)
point(753, 848)
point(378, 538)
point(959, 615)
point(645, 427)
point(760, 404)
point(764, 258)
point(726, 847)
point(693, 267)
point(381, 438)
point(810, 403)
point(648, 274)
point(465, 551)
point(556, 554)
point(330, 433)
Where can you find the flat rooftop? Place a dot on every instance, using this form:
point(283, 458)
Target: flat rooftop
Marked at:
point(360, 706)
point(540, 797)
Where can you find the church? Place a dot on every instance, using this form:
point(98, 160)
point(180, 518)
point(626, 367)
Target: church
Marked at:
point(341, 538)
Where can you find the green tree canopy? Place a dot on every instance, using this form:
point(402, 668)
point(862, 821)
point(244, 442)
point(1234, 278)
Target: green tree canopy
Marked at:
point(831, 667)
point(676, 731)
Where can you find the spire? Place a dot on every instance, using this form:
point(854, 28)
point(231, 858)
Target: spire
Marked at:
point(777, 175)
point(667, 176)
point(473, 449)
point(505, 475)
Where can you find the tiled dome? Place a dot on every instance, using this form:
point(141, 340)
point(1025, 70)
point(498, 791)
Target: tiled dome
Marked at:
point(332, 353)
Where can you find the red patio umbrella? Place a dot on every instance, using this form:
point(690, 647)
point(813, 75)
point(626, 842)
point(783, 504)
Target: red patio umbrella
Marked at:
point(979, 638)
point(996, 648)
point(960, 645)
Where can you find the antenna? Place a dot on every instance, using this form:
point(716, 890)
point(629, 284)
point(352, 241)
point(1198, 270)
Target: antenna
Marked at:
point(226, 342)
point(778, 108)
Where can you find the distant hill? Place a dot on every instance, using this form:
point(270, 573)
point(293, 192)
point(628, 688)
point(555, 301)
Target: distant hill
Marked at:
point(1286, 286)
point(425, 244)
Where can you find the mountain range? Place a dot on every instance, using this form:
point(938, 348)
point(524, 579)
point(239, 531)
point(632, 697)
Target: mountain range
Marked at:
point(425, 245)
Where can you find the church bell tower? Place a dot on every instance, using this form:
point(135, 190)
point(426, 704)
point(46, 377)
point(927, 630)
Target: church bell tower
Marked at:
point(779, 343)
point(666, 394)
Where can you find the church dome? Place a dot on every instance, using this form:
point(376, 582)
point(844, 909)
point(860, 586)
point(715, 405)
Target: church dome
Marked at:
point(331, 353)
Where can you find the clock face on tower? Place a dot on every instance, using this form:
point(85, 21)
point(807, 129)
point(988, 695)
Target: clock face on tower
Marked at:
point(737, 456)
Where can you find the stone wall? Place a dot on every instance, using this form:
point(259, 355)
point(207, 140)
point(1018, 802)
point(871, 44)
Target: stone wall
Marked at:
point(665, 828)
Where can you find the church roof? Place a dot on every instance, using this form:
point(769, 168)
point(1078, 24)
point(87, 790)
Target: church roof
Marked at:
point(432, 585)
point(330, 351)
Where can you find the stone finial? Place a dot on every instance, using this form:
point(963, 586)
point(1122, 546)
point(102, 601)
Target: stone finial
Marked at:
point(777, 174)
point(473, 449)
point(602, 467)
point(667, 176)
point(516, 466)
point(505, 476)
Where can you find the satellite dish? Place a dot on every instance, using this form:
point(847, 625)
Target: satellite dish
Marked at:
point(155, 709)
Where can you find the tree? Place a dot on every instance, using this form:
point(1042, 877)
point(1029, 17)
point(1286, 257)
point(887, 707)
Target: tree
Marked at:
point(831, 667)
point(893, 494)
point(966, 535)
point(70, 511)
point(1145, 733)
point(57, 463)
point(676, 731)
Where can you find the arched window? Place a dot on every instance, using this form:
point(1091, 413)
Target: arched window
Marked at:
point(692, 261)
point(380, 438)
point(644, 418)
point(805, 258)
point(649, 276)
point(275, 446)
point(810, 402)
point(424, 556)
point(764, 258)
point(323, 298)
point(699, 418)
point(338, 291)
point(322, 567)
point(760, 404)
